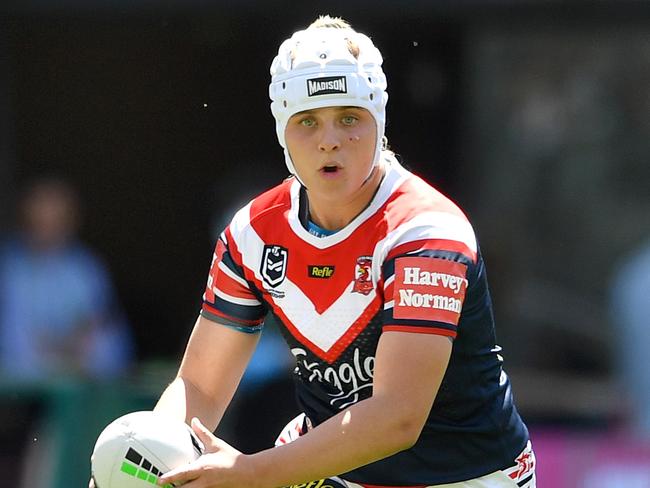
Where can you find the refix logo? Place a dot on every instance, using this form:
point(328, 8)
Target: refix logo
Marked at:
point(319, 271)
point(429, 289)
point(326, 85)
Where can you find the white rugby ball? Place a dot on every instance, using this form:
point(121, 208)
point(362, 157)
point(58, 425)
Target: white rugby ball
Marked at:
point(134, 450)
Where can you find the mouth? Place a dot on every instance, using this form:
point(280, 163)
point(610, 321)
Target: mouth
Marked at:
point(330, 168)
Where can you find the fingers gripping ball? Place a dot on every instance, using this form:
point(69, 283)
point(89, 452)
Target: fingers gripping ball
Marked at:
point(134, 450)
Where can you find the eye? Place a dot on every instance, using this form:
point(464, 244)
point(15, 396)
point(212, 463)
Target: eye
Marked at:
point(307, 122)
point(349, 119)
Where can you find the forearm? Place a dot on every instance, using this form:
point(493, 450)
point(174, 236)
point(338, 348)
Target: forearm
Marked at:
point(363, 433)
point(212, 366)
point(183, 400)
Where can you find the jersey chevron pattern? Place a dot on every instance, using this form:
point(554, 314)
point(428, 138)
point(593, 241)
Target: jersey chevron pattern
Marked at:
point(409, 262)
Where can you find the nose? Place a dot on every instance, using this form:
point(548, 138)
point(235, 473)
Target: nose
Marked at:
point(330, 140)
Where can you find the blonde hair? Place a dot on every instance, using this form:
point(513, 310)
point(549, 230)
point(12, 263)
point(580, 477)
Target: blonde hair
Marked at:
point(329, 22)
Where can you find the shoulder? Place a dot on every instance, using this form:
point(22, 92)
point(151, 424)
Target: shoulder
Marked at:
point(7, 254)
point(630, 281)
point(85, 262)
point(267, 205)
point(418, 216)
point(83, 255)
point(414, 196)
point(12, 246)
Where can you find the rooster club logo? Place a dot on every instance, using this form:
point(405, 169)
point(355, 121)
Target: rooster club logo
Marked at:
point(363, 275)
point(274, 264)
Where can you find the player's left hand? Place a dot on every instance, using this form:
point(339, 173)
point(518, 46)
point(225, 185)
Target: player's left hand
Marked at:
point(221, 466)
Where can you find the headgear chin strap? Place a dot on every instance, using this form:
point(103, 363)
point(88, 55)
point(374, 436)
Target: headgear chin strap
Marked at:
point(315, 69)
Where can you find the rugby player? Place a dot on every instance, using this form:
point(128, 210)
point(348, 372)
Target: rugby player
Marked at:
point(378, 283)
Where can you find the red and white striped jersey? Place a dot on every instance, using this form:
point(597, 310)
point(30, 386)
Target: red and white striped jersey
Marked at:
point(408, 262)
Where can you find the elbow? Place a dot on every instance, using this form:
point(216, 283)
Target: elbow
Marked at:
point(399, 423)
point(406, 432)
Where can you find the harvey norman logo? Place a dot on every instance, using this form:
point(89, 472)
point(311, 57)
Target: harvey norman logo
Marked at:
point(415, 276)
point(326, 86)
point(409, 298)
point(429, 289)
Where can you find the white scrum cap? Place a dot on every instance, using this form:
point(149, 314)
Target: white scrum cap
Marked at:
point(315, 69)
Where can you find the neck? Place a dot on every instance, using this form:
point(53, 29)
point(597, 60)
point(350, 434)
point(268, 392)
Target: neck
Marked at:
point(334, 214)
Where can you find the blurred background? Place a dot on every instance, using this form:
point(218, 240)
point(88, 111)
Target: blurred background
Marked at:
point(130, 132)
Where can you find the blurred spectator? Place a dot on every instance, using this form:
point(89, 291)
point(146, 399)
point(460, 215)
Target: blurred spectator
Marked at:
point(58, 320)
point(630, 313)
point(58, 314)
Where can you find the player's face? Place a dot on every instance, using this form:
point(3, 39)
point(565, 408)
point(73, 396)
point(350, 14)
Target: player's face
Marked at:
point(332, 149)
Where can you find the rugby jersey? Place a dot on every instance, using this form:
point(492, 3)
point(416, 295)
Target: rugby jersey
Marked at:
point(408, 262)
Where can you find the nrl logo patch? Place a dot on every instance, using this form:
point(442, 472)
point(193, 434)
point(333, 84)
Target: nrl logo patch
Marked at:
point(326, 86)
point(274, 264)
